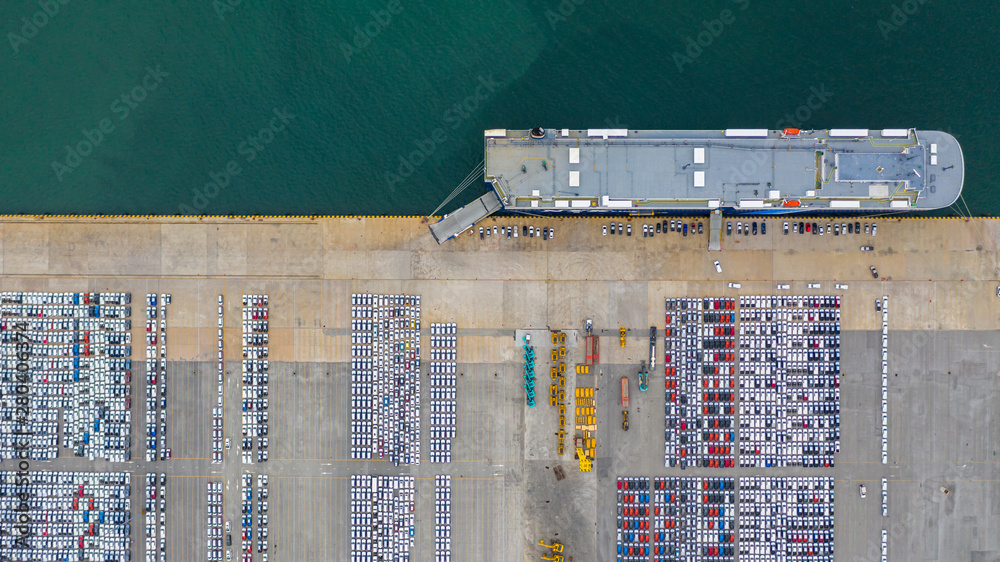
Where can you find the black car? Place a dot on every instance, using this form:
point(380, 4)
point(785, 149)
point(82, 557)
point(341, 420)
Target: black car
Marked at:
point(850, 228)
point(763, 227)
point(754, 226)
point(612, 228)
point(857, 228)
point(729, 229)
point(658, 226)
point(874, 272)
point(664, 225)
point(524, 231)
point(815, 228)
point(701, 229)
point(802, 228)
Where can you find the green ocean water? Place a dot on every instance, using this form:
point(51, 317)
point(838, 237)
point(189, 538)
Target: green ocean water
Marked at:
point(307, 107)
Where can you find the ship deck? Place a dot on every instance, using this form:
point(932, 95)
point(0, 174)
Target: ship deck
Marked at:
point(625, 170)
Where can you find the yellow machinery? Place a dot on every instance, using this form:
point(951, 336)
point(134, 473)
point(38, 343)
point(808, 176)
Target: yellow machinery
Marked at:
point(585, 425)
point(554, 356)
point(562, 338)
point(556, 547)
point(553, 558)
point(584, 461)
point(555, 338)
point(621, 335)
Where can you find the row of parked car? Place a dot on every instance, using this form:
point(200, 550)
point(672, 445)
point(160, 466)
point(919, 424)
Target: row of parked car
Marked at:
point(885, 380)
point(217, 426)
point(786, 517)
point(78, 363)
point(255, 376)
point(803, 227)
point(154, 494)
point(70, 515)
point(382, 518)
point(214, 515)
point(545, 233)
point(385, 381)
point(442, 518)
point(248, 536)
point(789, 380)
point(156, 377)
point(677, 517)
point(443, 390)
point(699, 361)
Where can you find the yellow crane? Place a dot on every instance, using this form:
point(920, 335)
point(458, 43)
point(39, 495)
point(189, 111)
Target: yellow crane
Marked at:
point(584, 461)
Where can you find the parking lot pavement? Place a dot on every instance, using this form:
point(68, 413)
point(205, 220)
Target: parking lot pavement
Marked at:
point(941, 391)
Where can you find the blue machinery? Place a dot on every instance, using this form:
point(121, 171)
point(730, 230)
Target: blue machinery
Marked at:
point(529, 371)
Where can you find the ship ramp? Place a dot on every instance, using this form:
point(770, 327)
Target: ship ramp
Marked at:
point(460, 220)
point(715, 232)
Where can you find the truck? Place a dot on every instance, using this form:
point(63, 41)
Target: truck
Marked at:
point(652, 348)
point(624, 392)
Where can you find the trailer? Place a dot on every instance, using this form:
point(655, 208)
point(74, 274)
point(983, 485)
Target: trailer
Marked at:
point(652, 348)
point(593, 350)
point(624, 392)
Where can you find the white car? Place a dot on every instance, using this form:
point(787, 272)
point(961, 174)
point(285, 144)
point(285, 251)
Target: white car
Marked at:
point(863, 490)
point(718, 268)
point(604, 232)
point(784, 286)
point(814, 285)
point(735, 286)
point(840, 286)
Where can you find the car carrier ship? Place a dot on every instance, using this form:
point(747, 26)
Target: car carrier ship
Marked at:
point(735, 171)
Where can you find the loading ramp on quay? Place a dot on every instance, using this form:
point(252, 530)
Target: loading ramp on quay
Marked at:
point(455, 223)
